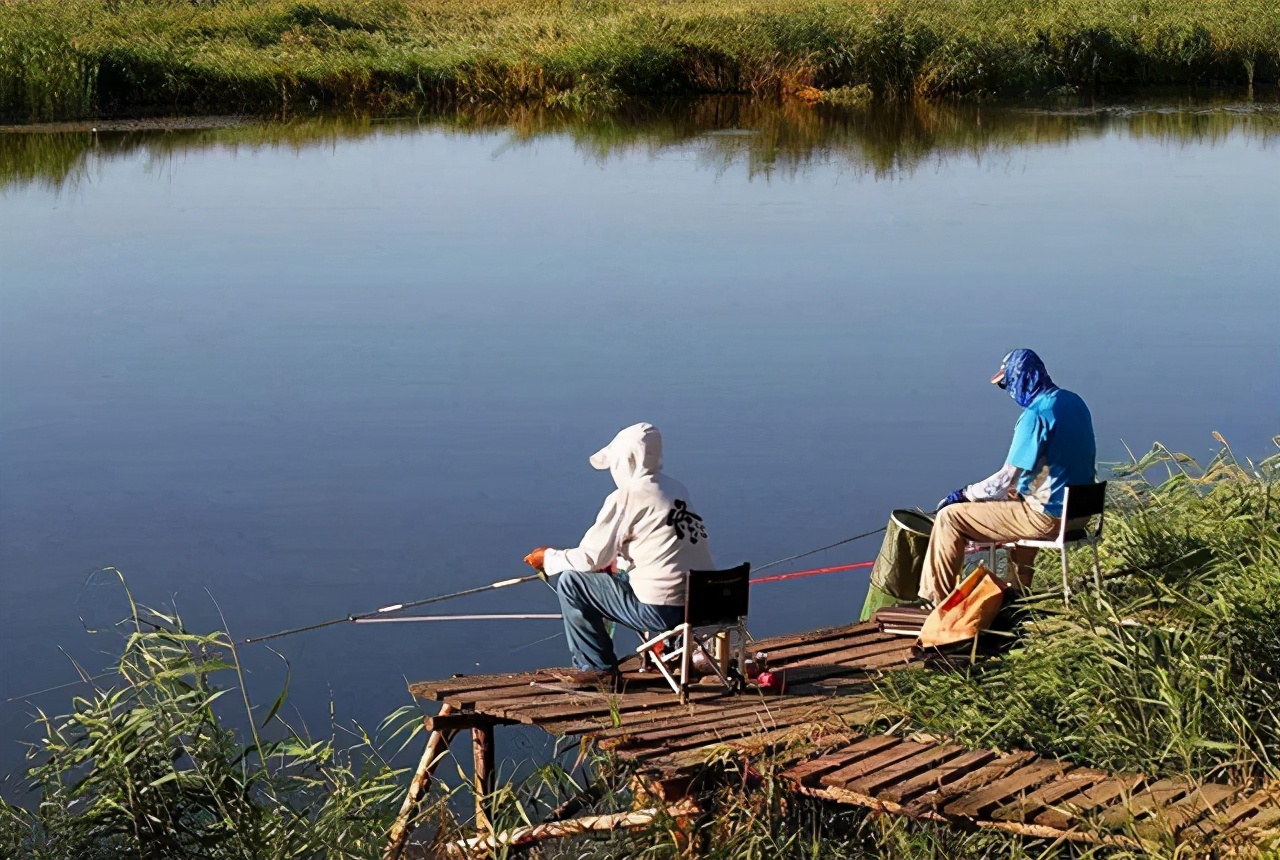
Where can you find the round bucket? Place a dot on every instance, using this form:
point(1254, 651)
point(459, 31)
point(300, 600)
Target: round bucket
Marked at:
point(897, 569)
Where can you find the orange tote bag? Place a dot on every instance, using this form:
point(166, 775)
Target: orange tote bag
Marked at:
point(966, 612)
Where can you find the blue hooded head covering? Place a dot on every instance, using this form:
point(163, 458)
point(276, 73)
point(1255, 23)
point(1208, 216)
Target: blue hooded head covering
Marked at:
point(1025, 377)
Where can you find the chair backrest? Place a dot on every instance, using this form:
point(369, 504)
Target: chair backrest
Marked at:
point(1083, 502)
point(717, 596)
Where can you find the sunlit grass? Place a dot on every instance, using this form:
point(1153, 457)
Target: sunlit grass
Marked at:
point(1174, 668)
point(69, 58)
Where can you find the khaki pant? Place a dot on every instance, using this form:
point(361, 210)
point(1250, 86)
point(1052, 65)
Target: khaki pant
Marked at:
point(985, 522)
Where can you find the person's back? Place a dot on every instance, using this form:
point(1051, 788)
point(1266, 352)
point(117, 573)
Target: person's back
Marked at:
point(662, 539)
point(1068, 451)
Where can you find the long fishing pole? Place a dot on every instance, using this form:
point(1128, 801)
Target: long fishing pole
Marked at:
point(396, 607)
point(820, 549)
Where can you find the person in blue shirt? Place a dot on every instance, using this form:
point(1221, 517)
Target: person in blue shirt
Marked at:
point(1053, 447)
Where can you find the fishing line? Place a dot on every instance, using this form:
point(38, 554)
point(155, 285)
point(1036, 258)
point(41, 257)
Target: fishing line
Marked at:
point(396, 607)
point(821, 549)
point(536, 642)
point(537, 616)
point(91, 678)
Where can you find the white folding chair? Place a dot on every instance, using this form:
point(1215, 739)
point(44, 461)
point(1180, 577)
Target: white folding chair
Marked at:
point(1080, 504)
point(716, 602)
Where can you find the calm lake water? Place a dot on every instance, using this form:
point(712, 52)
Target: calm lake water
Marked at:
point(305, 370)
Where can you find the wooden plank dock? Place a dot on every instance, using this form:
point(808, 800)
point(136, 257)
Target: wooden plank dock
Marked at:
point(819, 732)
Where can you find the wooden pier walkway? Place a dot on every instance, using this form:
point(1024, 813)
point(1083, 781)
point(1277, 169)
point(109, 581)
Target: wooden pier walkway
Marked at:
point(819, 732)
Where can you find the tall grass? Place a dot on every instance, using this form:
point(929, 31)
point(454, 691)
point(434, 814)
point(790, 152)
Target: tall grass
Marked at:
point(145, 765)
point(1174, 668)
point(64, 58)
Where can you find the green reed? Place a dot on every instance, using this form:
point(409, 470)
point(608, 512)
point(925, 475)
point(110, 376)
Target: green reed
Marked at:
point(145, 764)
point(64, 58)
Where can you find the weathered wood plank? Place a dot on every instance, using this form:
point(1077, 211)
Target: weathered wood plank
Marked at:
point(788, 656)
point(1094, 797)
point(760, 711)
point(927, 758)
point(1068, 785)
point(871, 764)
point(852, 655)
point(938, 777)
point(1201, 800)
point(998, 769)
point(1161, 793)
point(1238, 812)
point(982, 800)
point(809, 772)
point(831, 715)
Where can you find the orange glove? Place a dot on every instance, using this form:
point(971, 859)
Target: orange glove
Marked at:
point(537, 558)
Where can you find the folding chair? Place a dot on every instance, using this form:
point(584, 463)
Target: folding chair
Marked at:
point(1080, 504)
point(715, 602)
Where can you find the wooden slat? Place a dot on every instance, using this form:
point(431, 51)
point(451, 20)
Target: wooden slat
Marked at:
point(998, 769)
point(808, 772)
point(938, 777)
point(1068, 785)
point(854, 653)
point(871, 764)
point(1238, 812)
point(928, 757)
point(754, 715)
point(739, 729)
point(788, 656)
point(1025, 779)
point(1161, 793)
point(1105, 792)
point(603, 704)
point(1263, 820)
point(1199, 801)
point(791, 640)
point(693, 759)
point(440, 689)
point(758, 710)
point(706, 713)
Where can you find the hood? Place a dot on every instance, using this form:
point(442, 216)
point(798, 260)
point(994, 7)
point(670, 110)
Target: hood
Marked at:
point(1025, 377)
point(634, 453)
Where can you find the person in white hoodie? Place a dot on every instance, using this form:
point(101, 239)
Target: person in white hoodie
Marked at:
point(649, 533)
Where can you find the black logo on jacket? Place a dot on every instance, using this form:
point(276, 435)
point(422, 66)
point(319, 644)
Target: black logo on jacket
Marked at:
point(686, 522)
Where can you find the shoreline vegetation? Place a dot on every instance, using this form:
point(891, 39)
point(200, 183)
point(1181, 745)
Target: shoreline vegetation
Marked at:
point(1172, 670)
point(70, 59)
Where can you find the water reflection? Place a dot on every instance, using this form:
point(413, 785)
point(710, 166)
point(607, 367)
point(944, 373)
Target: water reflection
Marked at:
point(769, 138)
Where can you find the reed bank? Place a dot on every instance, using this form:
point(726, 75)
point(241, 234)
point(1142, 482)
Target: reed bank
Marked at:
point(67, 59)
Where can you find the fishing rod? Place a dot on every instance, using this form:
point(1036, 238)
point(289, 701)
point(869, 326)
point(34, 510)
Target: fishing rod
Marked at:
point(375, 615)
point(364, 617)
point(821, 549)
point(817, 571)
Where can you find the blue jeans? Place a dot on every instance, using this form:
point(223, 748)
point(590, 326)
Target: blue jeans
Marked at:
point(588, 601)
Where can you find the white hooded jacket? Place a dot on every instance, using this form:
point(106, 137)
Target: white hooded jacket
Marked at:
point(647, 525)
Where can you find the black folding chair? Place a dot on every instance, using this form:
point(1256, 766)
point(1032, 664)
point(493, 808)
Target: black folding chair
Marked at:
point(716, 602)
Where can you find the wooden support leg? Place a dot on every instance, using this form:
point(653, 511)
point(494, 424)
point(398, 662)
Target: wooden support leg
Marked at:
point(482, 749)
point(403, 825)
